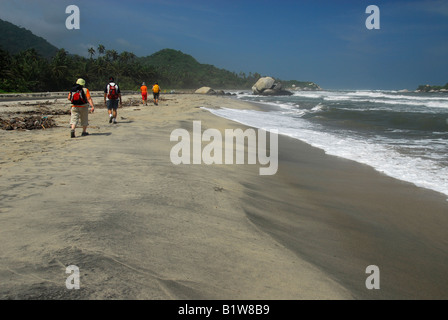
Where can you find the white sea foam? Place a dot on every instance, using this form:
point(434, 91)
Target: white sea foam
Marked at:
point(318, 107)
point(377, 97)
point(306, 94)
point(424, 171)
point(387, 98)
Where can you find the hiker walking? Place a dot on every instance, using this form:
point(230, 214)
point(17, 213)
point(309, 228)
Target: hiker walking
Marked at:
point(80, 99)
point(144, 90)
point(156, 93)
point(111, 97)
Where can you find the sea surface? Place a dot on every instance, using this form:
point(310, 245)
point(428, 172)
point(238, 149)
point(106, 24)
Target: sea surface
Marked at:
point(401, 134)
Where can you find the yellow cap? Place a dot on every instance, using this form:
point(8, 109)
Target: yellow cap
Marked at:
point(81, 82)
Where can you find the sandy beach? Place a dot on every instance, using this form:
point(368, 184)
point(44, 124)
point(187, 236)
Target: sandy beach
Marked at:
point(139, 227)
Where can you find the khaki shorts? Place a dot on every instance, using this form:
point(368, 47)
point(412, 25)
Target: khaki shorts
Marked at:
point(80, 113)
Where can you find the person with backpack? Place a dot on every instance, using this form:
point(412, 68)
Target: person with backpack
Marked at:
point(111, 97)
point(80, 99)
point(156, 93)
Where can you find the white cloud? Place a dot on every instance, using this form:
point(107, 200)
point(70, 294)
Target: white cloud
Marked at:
point(126, 44)
point(44, 18)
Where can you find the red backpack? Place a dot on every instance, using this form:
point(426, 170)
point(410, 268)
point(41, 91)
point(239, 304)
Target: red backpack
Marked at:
point(113, 92)
point(78, 96)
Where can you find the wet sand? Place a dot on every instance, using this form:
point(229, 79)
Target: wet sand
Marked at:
point(140, 227)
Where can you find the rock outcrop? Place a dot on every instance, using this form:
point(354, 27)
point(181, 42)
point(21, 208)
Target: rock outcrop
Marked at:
point(307, 86)
point(208, 90)
point(205, 90)
point(268, 87)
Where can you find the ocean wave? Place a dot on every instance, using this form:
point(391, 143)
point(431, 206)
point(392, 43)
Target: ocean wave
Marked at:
point(435, 103)
point(422, 163)
point(375, 97)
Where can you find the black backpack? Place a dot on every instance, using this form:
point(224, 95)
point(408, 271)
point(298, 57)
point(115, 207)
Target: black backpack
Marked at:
point(77, 95)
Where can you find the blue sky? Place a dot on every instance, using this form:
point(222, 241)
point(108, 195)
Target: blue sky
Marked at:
point(325, 41)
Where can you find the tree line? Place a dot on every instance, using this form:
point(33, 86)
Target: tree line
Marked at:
point(428, 88)
point(27, 71)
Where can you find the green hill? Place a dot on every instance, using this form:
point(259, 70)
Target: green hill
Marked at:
point(30, 63)
point(15, 39)
point(182, 70)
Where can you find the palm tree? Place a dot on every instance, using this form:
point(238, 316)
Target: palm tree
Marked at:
point(91, 52)
point(114, 55)
point(132, 56)
point(59, 65)
point(30, 67)
point(101, 49)
point(124, 57)
point(111, 55)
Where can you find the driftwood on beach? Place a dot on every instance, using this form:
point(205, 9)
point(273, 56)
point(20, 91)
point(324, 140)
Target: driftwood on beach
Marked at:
point(27, 123)
point(44, 114)
point(38, 118)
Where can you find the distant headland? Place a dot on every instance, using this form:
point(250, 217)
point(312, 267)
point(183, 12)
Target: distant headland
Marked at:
point(429, 88)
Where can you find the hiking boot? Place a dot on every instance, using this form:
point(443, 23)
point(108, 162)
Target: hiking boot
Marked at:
point(72, 134)
point(85, 134)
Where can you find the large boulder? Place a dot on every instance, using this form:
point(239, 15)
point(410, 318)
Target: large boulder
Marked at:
point(268, 87)
point(205, 90)
point(269, 92)
point(263, 84)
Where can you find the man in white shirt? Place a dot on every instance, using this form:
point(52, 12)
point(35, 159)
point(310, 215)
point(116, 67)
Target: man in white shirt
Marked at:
point(111, 97)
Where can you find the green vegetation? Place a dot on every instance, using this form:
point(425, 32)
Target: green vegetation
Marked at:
point(15, 39)
point(30, 64)
point(28, 71)
point(428, 88)
point(180, 70)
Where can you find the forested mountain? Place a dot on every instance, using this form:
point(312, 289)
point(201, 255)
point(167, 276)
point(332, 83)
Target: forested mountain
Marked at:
point(183, 71)
point(30, 64)
point(15, 39)
point(28, 71)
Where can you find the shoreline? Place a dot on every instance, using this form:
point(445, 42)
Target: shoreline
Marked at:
point(343, 216)
point(369, 204)
point(207, 232)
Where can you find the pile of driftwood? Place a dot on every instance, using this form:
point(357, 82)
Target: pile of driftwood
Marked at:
point(132, 102)
point(46, 112)
point(27, 123)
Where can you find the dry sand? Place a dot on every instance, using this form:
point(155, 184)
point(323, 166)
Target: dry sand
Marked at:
point(140, 227)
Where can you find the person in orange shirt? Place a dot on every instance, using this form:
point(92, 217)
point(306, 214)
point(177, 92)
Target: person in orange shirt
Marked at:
point(144, 90)
point(80, 99)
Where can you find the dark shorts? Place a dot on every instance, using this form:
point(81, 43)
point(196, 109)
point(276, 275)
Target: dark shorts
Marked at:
point(112, 104)
point(156, 95)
